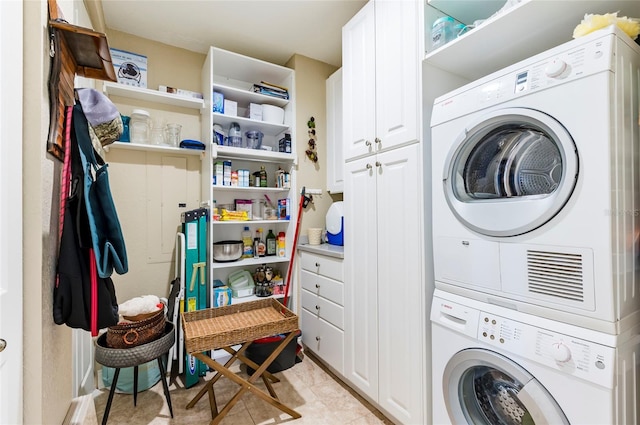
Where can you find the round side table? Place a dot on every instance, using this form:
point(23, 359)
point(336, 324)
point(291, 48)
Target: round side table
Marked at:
point(133, 357)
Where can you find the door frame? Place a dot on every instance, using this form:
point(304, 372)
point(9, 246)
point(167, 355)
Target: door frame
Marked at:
point(11, 274)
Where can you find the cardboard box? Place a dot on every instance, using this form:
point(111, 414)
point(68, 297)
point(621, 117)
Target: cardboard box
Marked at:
point(131, 68)
point(254, 112)
point(218, 102)
point(284, 212)
point(230, 107)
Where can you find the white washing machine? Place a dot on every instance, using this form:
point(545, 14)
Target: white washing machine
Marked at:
point(494, 366)
point(536, 185)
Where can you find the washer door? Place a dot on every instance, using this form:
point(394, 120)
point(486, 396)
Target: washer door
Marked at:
point(482, 387)
point(510, 172)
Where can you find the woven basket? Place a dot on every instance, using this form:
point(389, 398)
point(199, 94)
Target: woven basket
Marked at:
point(219, 327)
point(127, 335)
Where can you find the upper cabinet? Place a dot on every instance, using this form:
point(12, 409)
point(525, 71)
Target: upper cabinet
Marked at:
point(381, 78)
point(511, 35)
point(335, 155)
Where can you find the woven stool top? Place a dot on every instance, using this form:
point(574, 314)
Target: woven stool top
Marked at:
point(218, 327)
point(134, 356)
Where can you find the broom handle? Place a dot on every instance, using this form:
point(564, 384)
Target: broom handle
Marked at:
point(293, 249)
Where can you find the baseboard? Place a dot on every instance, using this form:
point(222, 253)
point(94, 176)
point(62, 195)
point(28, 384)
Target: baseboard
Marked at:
point(82, 411)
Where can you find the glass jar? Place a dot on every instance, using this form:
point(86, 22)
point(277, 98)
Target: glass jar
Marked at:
point(139, 126)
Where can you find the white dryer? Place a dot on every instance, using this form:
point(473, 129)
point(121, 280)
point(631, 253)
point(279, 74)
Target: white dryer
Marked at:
point(536, 185)
point(491, 366)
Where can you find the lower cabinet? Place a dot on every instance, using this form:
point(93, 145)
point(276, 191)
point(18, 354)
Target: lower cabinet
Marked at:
point(322, 313)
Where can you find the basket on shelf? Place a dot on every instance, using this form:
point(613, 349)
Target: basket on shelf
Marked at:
point(144, 328)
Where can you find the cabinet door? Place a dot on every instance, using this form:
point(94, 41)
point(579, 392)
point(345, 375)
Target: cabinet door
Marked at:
point(401, 284)
point(398, 40)
point(335, 155)
point(358, 59)
point(361, 281)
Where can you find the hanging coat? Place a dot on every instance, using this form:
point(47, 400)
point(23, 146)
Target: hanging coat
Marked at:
point(72, 304)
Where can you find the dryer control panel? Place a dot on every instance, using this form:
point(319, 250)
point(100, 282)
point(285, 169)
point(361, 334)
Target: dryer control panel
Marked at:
point(575, 59)
point(574, 356)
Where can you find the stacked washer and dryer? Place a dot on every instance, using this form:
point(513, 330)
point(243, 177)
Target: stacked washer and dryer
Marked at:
point(536, 239)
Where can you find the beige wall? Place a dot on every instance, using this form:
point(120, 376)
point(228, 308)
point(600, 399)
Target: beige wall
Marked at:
point(47, 347)
point(147, 186)
point(311, 76)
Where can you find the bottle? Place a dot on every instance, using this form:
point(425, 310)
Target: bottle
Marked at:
point(256, 243)
point(281, 245)
point(262, 248)
point(263, 176)
point(247, 242)
point(271, 243)
point(442, 32)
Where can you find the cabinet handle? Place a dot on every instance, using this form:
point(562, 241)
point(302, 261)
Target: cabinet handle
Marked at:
point(378, 164)
point(318, 338)
point(317, 264)
point(368, 166)
point(317, 286)
point(367, 143)
point(378, 140)
point(317, 307)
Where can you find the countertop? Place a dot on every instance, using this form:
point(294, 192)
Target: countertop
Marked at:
point(323, 249)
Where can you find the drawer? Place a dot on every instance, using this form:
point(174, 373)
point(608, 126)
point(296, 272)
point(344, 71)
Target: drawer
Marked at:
point(325, 309)
point(323, 286)
point(324, 340)
point(324, 266)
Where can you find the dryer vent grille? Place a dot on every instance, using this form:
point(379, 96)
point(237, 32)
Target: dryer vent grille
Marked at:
point(555, 274)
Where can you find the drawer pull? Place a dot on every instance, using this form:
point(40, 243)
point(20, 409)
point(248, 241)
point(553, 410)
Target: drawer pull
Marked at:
point(317, 307)
point(317, 264)
point(317, 286)
point(317, 338)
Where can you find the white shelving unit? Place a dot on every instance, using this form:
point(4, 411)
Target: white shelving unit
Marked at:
point(155, 96)
point(233, 75)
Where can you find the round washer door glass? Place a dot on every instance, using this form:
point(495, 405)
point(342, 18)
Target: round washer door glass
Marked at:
point(482, 387)
point(510, 172)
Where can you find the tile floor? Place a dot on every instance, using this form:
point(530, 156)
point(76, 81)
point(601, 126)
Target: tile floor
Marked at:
point(308, 387)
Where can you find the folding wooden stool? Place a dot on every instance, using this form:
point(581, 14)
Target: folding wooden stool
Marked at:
point(238, 324)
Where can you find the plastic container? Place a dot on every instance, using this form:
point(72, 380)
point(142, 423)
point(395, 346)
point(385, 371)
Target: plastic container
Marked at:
point(247, 241)
point(139, 126)
point(272, 114)
point(442, 31)
point(235, 135)
point(253, 139)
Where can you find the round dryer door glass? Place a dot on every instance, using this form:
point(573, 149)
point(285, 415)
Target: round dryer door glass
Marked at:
point(510, 172)
point(483, 387)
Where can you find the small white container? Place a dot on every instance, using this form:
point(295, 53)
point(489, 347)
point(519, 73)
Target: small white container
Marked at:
point(272, 114)
point(139, 126)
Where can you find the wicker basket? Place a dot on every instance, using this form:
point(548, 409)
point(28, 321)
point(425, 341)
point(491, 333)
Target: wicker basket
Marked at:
point(127, 335)
point(234, 324)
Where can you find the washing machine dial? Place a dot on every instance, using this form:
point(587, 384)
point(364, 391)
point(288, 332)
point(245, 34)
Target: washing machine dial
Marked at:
point(560, 352)
point(556, 69)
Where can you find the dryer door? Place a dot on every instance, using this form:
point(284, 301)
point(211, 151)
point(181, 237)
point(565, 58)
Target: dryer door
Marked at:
point(482, 387)
point(510, 172)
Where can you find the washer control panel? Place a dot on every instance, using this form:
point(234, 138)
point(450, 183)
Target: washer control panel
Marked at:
point(574, 356)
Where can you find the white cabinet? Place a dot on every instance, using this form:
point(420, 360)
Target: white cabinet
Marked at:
point(381, 46)
point(234, 75)
point(335, 156)
point(385, 292)
point(384, 281)
point(322, 313)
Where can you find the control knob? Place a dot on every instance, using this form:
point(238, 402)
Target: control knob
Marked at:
point(556, 69)
point(560, 352)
